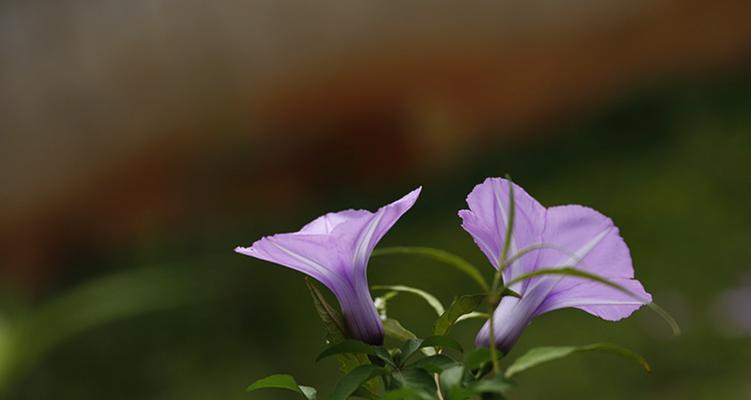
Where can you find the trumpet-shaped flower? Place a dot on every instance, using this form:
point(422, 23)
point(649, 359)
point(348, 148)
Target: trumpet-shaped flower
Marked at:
point(334, 249)
point(567, 236)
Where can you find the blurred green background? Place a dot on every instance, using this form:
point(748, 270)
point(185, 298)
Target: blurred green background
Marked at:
point(125, 195)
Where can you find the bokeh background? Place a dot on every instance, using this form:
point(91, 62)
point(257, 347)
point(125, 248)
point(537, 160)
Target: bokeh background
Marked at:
point(141, 141)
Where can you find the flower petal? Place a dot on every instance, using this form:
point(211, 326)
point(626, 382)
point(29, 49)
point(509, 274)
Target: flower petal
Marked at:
point(368, 234)
point(325, 224)
point(594, 244)
point(312, 255)
point(511, 317)
point(361, 315)
point(487, 218)
point(592, 241)
point(334, 249)
point(597, 299)
point(573, 236)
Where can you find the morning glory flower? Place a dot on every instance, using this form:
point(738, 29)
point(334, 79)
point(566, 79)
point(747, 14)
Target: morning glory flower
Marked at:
point(574, 236)
point(334, 249)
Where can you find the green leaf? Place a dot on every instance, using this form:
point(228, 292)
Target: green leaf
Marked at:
point(460, 306)
point(348, 362)
point(412, 345)
point(540, 355)
point(336, 331)
point(451, 383)
point(416, 379)
point(354, 380)
point(572, 271)
point(439, 255)
point(499, 385)
point(88, 306)
point(477, 358)
point(429, 298)
point(394, 329)
point(332, 320)
point(347, 346)
point(365, 393)
point(452, 377)
point(384, 355)
point(406, 393)
point(409, 348)
point(281, 381)
point(434, 364)
point(473, 315)
point(310, 392)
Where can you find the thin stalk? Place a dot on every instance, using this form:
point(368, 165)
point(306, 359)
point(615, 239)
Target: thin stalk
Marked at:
point(438, 387)
point(494, 297)
point(509, 229)
point(493, 351)
point(540, 246)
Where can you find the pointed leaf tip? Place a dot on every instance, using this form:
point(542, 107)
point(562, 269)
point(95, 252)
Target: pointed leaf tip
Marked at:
point(541, 355)
point(330, 316)
point(351, 382)
point(283, 381)
point(580, 273)
point(460, 306)
point(394, 329)
point(347, 346)
point(429, 298)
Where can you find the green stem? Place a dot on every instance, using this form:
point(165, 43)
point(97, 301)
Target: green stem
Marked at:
point(492, 303)
point(438, 387)
point(494, 296)
point(493, 351)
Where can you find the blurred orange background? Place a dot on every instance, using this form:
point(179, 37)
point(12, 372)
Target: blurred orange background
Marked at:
point(124, 124)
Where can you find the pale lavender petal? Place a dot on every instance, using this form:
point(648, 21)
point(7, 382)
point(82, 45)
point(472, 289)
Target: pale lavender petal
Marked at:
point(511, 317)
point(326, 223)
point(574, 236)
point(597, 299)
point(594, 245)
point(306, 253)
point(313, 255)
point(360, 314)
point(370, 233)
point(487, 218)
point(334, 249)
point(592, 242)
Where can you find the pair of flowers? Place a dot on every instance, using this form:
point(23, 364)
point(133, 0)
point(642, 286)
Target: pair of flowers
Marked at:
point(334, 249)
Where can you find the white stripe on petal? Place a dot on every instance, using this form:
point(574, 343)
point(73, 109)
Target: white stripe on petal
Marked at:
point(596, 302)
point(573, 260)
point(317, 267)
point(582, 251)
point(361, 257)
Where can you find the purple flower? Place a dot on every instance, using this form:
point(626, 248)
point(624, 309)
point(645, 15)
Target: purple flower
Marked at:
point(334, 249)
point(574, 236)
